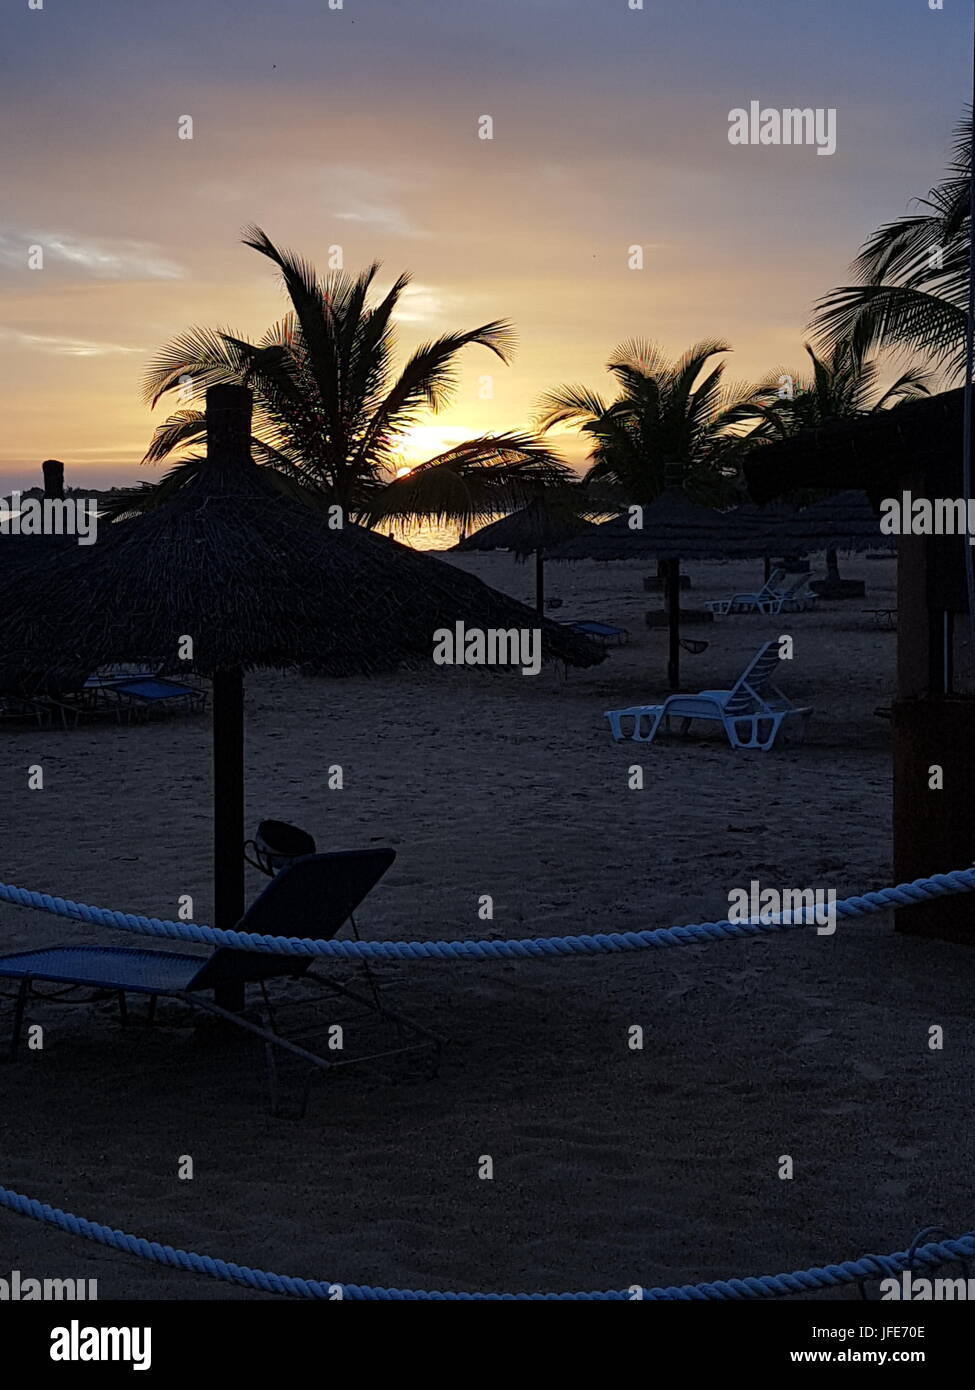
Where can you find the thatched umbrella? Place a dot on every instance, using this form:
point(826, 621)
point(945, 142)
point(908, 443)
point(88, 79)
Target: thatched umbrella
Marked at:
point(768, 521)
point(846, 521)
point(673, 528)
point(235, 576)
point(532, 530)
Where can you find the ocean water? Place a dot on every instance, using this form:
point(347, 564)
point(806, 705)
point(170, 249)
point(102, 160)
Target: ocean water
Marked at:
point(424, 535)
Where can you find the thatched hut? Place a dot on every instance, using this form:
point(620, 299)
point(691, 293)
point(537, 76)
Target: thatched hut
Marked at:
point(918, 448)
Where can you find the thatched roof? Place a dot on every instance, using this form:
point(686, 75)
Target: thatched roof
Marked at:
point(846, 520)
point(769, 515)
point(255, 579)
point(674, 527)
point(869, 451)
point(22, 552)
point(539, 526)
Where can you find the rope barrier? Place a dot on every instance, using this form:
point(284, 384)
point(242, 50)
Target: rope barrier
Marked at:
point(762, 1286)
point(900, 895)
point(735, 1290)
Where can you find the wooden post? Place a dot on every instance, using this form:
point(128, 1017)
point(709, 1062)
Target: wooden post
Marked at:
point(933, 826)
point(228, 813)
point(673, 623)
point(540, 580)
point(228, 419)
point(53, 470)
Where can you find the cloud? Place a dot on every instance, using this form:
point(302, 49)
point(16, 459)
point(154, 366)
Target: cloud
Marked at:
point(374, 215)
point(66, 347)
point(103, 260)
point(420, 304)
point(371, 198)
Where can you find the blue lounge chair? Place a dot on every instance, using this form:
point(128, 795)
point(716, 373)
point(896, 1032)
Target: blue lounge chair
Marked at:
point(129, 694)
point(312, 898)
point(121, 671)
point(599, 632)
point(751, 712)
point(156, 692)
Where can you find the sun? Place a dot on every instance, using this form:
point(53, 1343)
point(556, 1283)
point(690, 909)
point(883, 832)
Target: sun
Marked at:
point(423, 442)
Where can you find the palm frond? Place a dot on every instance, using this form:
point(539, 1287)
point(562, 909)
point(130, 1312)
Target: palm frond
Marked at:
point(472, 481)
point(196, 359)
point(913, 276)
point(185, 427)
point(568, 405)
point(895, 316)
point(426, 381)
point(143, 497)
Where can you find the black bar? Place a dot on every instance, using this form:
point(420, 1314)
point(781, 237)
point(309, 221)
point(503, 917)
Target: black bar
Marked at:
point(248, 1334)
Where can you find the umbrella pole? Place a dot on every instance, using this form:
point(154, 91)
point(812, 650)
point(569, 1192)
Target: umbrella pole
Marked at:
point(673, 625)
point(228, 814)
point(540, 580)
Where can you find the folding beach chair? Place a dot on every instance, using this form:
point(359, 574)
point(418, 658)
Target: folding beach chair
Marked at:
point(312, 898)
point(18, 709)
point(751, 712)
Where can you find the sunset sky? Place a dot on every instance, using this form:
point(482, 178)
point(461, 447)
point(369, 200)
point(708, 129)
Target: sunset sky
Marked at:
point(358, 127)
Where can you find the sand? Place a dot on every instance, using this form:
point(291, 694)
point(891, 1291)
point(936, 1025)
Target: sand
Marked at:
point(611, 1166)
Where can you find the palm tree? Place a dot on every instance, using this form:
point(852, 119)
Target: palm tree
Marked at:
point(844, 382)
point(331, 410)
point(672, 425)
point(913, 274)
point(673, 422)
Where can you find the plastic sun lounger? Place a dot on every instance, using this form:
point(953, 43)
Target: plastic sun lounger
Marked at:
point(747, 603)
point(749, 717)
point(312, 898)
point(600, 632)
point(796, 599)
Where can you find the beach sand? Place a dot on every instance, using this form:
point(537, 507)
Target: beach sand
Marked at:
point(611, 1166)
